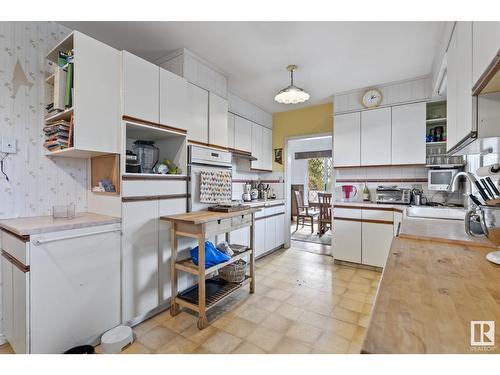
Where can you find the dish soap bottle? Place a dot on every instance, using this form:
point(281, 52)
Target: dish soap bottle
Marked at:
point(366, 193)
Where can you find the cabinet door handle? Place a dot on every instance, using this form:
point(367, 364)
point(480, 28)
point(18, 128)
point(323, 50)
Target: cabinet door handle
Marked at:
point(47, 240)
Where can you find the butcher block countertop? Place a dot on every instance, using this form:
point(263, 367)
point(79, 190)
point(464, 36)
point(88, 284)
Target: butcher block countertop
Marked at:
point(431, 289)
point(438, 230)
point(203, 217)
point(25, 226)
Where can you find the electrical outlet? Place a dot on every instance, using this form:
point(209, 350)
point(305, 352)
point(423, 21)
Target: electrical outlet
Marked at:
point(9, 145)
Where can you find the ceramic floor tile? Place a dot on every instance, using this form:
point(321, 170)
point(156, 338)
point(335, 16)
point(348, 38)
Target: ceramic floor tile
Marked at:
point(162, 317)
point(240, 327)
point(6, 349)
point(248, 348)
point(265, 338)
point(340, 328)
point(303, 332)
point(145, 326)
point(359, 335)
point(178, 345)
point(181, 322)
point(157, 337)
point(356, 295)
point(364, 320)
point(221, 343)
point(253, 314)
point(332, 343)
point(345, 315)
point(136, 348)
point(351, 304)
point(197, 335)
point(267, 303)
point(277, 322)
point(314, 319)
point(289, 311)
point(291, 346)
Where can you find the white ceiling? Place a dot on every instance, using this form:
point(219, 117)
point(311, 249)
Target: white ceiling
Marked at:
point(332, 56)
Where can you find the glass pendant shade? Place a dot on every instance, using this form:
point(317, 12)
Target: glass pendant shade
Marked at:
point(291, 94)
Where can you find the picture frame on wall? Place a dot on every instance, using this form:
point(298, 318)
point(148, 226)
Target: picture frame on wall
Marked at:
point(278, 155)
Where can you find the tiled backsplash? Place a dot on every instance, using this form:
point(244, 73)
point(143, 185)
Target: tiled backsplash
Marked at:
point(405, 177)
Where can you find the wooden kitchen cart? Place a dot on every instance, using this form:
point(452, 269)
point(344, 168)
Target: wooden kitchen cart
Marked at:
point(202, 225)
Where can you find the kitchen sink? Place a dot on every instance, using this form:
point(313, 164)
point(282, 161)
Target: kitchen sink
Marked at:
point(450, 213)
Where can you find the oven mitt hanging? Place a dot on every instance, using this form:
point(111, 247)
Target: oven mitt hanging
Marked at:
point(212, 255)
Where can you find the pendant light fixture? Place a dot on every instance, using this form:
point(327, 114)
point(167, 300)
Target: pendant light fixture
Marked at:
point(291, 94)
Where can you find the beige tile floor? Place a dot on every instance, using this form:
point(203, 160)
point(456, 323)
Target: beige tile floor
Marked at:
point(303, 304)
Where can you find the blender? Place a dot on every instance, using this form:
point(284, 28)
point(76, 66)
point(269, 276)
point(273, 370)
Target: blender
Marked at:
point(246, 196)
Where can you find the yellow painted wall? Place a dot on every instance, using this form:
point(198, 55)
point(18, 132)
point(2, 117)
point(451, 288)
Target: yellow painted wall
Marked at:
point(304, 121)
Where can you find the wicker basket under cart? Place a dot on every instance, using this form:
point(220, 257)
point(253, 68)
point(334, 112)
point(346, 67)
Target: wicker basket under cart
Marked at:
point(234, 272)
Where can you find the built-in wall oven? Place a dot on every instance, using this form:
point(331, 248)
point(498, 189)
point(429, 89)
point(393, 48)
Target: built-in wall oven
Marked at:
point(440, 179)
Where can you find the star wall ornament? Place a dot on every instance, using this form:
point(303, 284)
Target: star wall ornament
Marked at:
point(19, 79)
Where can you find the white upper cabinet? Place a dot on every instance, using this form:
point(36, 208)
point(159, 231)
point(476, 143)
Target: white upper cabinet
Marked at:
point(217, 121)
point(230, 130)
point(408, 134)
point(198, 114)
point(173, 100)
point(257, 145)
point(346, 139)
point(485, 46)
point(267, 149)
point(376, 136)
point(242, 134)
point(460, 103)
point(141, 88)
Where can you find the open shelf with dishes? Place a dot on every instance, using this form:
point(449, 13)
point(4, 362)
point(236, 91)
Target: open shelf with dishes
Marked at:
point(436, 138)
point(153, 150)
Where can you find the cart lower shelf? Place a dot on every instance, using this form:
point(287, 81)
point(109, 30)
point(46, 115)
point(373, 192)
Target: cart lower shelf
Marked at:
point(216, 290)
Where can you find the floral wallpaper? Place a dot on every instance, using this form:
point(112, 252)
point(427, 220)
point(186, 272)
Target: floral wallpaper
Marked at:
point(36, 182)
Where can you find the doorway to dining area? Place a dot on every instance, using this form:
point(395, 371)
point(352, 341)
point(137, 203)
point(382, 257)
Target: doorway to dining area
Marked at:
point(311, 193)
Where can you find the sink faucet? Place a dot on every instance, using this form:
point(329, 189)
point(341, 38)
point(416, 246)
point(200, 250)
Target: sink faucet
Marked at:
point(454, 183)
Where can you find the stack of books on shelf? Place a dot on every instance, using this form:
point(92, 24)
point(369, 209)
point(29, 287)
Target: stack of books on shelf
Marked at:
point(58, 135)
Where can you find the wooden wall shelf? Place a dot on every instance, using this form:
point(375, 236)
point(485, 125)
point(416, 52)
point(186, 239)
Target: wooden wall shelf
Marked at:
point(106, 167)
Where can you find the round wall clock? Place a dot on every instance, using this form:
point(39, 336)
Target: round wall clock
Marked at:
point(372, 98)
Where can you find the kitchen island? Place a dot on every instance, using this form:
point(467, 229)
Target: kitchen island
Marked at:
point(202, 225)
point(431, 290)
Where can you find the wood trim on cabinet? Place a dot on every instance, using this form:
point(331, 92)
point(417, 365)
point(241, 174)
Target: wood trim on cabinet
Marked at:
point(373, 221)
point(159, 177)
point(208, 145)
point(268, 216)
point(20, 265)
point(391, 209)
point(24, 238)
point(382, 180)
point(239, 151)
point(261, 170)
point(263, 181)
point(378, 166)
point(153, 124)
point(153, 197)
point(488, 74)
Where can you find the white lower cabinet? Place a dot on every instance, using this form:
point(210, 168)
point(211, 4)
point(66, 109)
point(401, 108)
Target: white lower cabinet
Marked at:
point(270, 237)
point(363, 235)
point(347, 240)
point(63, 291)
point(171, 207)
point(15, 306)
point(375, 243)
point(139, 258)
point(260, 237)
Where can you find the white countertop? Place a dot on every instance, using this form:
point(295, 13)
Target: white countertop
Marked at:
point(25, 226)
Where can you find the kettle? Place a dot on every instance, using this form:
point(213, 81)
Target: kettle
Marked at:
point(254, 194)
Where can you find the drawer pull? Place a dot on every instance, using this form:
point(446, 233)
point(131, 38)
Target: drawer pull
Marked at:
point(47, 240)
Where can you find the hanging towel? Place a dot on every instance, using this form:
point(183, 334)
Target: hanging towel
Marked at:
point(215, 186)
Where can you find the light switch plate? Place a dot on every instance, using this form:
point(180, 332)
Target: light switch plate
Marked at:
point(9, 145)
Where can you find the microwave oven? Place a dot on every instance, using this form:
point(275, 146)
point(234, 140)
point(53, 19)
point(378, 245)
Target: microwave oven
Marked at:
point(440, 179)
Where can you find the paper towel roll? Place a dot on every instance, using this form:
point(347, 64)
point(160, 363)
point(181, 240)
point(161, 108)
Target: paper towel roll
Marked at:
point(488, 170)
